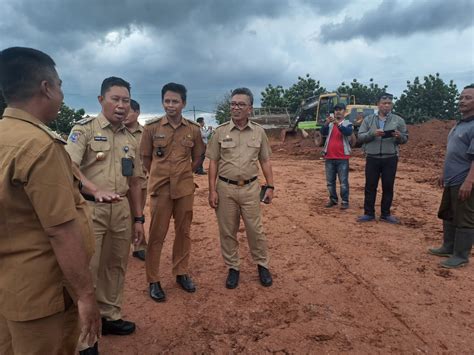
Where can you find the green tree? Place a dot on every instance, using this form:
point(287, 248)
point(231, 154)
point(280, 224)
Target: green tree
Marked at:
point(291, 98)
point(273, 96)
point(223, 109)
point(304, 88)
point(364, 94)
point(433, 98)
point(66, 119)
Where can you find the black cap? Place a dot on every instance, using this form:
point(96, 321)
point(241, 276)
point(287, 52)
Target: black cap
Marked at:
point(340, 106)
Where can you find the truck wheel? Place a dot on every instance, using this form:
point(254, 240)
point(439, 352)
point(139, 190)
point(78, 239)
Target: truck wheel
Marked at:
point(318, 139)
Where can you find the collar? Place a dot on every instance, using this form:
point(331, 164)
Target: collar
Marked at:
point(165, 121)
point(467, 119)
point(249, 124)
point(20, 114)
point(104, 122)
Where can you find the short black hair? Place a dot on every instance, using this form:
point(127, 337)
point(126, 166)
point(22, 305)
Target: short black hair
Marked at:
point(384, 95)
point(113, 81)
point(471, 86)
point(22, 70)
point(177, 88)
point(200, 119)
point(134, 105)
point(243, 91)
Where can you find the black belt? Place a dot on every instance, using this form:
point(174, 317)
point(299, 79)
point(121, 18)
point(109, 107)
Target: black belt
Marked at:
point(238, 182)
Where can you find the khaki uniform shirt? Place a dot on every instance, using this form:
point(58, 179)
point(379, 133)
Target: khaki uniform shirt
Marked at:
point(37, 191)
point(98, 151)
point(236, 151)
point(137, 133)
point(171, 151)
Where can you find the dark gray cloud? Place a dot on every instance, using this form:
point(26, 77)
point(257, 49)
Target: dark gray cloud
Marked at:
point(393, 18)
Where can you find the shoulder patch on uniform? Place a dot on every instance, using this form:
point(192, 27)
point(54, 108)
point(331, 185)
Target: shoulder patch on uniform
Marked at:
point(52, 134)
point(223, 124)
point(152, 120)
point(193, 122)
point(256, 124)
point(85, 120)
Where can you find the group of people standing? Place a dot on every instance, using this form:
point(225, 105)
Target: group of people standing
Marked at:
point(381, 135)
point(63, 259)
point(69, 210)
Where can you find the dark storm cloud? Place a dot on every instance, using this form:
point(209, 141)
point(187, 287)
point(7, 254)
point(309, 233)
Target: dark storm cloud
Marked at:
point(392, 18)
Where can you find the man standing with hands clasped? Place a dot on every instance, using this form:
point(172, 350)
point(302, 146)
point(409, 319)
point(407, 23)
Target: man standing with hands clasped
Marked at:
point(381, 133)
point(457, 204)
point(234, 151)
point(337, 150)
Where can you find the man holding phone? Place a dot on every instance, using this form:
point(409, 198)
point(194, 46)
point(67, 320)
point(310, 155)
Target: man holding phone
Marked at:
point(234, 151)
point(381, 134)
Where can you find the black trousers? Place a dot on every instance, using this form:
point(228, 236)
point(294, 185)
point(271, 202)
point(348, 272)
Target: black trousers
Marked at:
point(376, 168)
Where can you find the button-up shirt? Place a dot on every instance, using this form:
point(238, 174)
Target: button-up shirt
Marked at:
point(37, 191)
point(238, 151)
point(172, 151)
point(98, 149)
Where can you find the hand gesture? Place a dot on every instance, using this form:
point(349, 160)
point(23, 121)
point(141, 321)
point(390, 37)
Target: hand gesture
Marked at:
point(106, 196)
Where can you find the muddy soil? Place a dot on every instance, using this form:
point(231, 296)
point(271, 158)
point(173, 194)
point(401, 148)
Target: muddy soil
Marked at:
point(339, 286)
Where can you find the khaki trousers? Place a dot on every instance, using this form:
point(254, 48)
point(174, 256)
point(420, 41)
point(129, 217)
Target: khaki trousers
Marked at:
point(56, 334)
point(112, 230)
point(236, 201)
point(162, 208)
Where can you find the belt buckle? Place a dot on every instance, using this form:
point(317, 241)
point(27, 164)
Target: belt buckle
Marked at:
point(240, 182)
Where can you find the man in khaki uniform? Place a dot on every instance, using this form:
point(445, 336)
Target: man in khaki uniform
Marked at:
point(106, 154)
point(234, 150)
point(135, 128)
point(167, 147)
point(46, 237)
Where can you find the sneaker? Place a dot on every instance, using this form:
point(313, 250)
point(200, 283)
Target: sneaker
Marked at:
point(389, 219)
point(365, 218)
point(330, 204)
point(344, 205)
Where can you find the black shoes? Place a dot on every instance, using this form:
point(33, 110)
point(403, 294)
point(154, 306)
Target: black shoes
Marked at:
point(156, 292)
point(232, 279)
point(117, 327)
point(265, 276)
point(330, 204)
point(139, 254)
point(90, 351)
point(186, 283)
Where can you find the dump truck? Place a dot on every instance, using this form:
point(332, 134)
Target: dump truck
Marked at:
point(313, 112)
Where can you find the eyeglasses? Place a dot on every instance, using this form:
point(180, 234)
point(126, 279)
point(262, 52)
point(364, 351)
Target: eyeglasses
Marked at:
point(240, 105)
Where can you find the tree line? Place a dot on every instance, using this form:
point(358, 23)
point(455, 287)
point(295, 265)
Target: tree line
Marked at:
point(421, 101)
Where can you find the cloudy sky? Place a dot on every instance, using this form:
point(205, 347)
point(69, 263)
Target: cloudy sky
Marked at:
point(213, 46)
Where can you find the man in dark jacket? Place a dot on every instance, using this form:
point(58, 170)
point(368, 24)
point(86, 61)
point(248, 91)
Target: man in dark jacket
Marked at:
point(381, 134)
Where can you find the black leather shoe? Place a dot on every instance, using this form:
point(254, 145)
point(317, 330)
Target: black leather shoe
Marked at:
point(117, 327)
point(90, 351)
point(139, 254)
point(265, 276)
point(186, 283)
point(156, 292)
point(232, 279)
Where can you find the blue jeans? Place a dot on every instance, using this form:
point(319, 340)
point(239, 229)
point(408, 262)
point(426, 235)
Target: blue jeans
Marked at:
point(340, 168)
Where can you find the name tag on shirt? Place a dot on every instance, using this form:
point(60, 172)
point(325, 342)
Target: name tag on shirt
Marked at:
point(100, 139)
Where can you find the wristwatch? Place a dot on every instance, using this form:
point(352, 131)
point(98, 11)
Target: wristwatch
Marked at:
point(140, 219)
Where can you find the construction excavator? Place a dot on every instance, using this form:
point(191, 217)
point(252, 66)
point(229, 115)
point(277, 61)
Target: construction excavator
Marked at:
point(313, 112)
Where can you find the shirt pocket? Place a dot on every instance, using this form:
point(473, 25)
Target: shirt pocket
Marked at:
point(227, 149)
point(254, 148)
point(161, 147)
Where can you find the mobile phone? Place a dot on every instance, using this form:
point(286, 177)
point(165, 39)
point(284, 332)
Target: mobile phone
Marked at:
point(263, 190)
point(388, 134)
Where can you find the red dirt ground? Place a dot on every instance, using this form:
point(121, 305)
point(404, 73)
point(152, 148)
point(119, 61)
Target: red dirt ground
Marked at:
point(339, 286)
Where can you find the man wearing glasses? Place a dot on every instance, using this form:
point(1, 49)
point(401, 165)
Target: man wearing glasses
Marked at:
point(381, 134)
point(234, 191)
